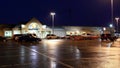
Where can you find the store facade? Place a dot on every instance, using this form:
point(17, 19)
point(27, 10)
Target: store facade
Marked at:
point(34, 26)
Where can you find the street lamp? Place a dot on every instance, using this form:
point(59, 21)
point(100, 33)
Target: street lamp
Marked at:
point(112, 11)
point(52, 14)
point(111, 25)
point(117, 21)
point(112, 29)
point(104, 30)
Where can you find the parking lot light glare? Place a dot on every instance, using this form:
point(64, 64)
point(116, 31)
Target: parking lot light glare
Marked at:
point(104, 28)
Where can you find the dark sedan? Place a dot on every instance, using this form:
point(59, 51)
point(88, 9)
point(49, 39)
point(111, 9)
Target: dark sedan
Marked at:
point(28, 38)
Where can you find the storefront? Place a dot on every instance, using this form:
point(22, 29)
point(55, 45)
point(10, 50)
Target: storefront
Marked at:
point(34, 26)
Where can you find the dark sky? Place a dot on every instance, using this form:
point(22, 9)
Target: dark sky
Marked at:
point(68, 12)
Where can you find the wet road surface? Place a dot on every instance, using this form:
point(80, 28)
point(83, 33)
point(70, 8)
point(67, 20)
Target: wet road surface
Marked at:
point(60, 54)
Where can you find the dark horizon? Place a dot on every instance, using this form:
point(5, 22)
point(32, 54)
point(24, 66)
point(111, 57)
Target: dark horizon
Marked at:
point(76, 13)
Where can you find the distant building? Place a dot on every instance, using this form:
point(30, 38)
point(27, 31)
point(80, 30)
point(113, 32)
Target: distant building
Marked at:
point(36, 27)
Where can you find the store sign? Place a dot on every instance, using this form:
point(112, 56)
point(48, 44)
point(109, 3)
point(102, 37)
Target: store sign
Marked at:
point(33, 26)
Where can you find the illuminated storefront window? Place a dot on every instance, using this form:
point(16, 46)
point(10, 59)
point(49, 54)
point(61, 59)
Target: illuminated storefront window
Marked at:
point(16, 32)
point(8, 33)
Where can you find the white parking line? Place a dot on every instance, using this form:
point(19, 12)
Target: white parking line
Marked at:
point(66, 65)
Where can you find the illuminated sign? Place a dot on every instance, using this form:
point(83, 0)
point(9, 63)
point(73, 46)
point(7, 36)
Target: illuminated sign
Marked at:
point(33, 26)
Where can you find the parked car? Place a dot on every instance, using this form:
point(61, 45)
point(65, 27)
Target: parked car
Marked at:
point(90, 37)
point(52, 36)
point(28, 38)
point(16, 36)
point(83, 37)
point(108, 37)
point(65, 37)
point(76, 37)
point(3, 39)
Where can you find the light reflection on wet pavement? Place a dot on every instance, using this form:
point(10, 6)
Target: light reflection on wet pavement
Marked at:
point(60, 54)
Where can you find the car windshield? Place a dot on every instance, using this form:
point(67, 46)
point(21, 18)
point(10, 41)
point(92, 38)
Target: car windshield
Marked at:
point(51, 35)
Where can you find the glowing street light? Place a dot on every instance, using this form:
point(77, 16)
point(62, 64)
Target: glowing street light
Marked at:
point(53, 15)
point(111, 25)
point(117, 20)
point(104, 28)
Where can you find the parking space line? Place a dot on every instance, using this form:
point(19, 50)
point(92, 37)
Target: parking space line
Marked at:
point(66, 65)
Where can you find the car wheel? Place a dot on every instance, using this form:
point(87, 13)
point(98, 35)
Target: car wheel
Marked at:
point(4, 40)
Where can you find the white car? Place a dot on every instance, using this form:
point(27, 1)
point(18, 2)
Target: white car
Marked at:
point(52, 36)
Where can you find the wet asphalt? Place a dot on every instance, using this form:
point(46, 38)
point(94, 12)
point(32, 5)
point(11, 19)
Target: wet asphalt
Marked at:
point(59, 53)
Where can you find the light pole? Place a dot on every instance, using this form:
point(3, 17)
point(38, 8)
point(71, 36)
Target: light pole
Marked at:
point(44, 31)
point(53, 15)
point(117, 21)
point(112, 11)
point(104, 30)
point(112, 29)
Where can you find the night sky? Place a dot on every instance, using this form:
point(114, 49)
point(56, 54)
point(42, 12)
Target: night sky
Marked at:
point(68, 12)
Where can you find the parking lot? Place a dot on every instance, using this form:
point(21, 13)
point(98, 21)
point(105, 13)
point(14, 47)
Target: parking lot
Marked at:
point(60, 53)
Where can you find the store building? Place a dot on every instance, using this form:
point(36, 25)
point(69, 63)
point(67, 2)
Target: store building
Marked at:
point(36, 27)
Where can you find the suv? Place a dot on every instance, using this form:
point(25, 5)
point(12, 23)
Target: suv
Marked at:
point(51, 36)
point(108, 37)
